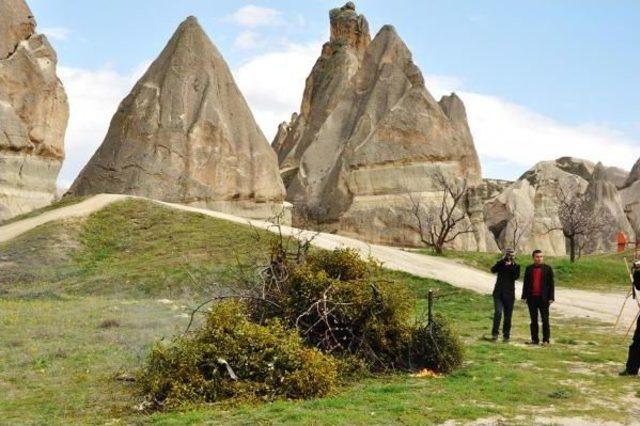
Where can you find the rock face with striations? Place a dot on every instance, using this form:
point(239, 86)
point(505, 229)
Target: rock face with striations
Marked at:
point(369, 136)
point(531, 204)
point(33, 113)
point(630, 195)
point(186, 134)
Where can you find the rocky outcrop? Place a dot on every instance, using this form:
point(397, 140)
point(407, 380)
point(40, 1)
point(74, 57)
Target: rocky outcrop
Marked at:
point(33, 113)
point(186, 134)
point(616, 176)
point(490, 188)
point(634, 175)
point(630, 195)
point(607, 202)
point(529, 206)
point(369, 137)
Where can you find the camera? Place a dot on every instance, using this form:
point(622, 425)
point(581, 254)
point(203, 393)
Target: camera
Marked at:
point(509, 255)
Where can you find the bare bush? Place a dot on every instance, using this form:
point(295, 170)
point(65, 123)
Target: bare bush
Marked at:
point(441, 223)
point(514, 232)
point(579, 219)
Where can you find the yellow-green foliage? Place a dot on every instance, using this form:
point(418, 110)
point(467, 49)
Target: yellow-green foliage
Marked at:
point(340, 303)
point(269, 361)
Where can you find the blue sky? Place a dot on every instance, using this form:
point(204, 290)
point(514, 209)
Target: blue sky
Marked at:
point(561, 72)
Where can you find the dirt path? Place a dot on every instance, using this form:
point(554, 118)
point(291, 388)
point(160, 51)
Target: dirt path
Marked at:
point(576, 303)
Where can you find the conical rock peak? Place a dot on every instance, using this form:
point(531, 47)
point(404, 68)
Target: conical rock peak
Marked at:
point(186, 134)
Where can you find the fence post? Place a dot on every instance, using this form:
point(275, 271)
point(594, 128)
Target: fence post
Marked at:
point(430, 306)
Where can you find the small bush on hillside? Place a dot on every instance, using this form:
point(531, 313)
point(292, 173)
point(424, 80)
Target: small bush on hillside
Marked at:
point(233, 357)
point(436, 346)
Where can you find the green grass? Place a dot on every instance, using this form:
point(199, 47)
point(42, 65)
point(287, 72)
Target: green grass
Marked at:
point(602, 272)
point(59, 366)
point(131, 248)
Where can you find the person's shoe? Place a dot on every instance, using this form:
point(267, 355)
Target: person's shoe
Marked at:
point(505, 340)
point(531, 342)
point(626, 373)
point(545, 343)
point(494, 337)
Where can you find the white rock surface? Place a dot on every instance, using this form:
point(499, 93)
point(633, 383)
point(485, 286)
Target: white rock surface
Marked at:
point(33, 113)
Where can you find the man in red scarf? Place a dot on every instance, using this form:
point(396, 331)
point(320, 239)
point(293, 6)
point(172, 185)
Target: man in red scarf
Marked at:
point(633, 362)
point(539, 292)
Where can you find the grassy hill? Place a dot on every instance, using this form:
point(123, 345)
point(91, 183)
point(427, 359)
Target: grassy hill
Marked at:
point(131, 248)
point(81, 302)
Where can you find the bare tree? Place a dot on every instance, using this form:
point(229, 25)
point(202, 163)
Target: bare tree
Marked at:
point(579, 220)
point(519, 228)
point(441, 223)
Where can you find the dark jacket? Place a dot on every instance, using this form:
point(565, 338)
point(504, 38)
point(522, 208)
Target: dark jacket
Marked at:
point(506, 279)
point(548, 284)
point(636, 279)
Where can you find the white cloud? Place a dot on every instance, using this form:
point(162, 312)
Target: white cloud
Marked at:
point(511, 138)
point(94, 96)
point(255, 16)
point(273, 83)
point(504, 131)
point(56, 33)
point(247, 40)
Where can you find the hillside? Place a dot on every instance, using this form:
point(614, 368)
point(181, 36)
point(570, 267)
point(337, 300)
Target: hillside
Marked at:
point(130, 248)
point(109, 285)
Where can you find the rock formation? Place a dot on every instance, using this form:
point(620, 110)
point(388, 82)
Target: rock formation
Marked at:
point(630, 195)
point(369, 136)
point(33, 113)
point(607, 201)
point(186, 134)
point(531, 204)
point(616, 176)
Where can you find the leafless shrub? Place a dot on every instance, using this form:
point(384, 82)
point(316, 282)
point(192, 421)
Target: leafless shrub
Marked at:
point(578, 218)
point(440, 224)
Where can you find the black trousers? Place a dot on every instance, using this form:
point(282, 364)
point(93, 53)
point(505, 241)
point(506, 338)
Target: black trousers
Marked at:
point(633, 362)
point(536, 305)
point(502, 304)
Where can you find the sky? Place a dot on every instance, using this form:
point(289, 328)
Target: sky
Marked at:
point(540, 78)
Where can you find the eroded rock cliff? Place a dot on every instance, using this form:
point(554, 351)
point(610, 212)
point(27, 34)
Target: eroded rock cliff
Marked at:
point(33, 113)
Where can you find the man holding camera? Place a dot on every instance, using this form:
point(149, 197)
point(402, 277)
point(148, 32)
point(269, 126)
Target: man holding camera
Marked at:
point(504, 293)
point(539, 292)
point(633, 361)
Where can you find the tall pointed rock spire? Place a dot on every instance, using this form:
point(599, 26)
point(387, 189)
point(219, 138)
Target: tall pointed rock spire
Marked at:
point(33, 113)
point(369, 134)
point(186, 134)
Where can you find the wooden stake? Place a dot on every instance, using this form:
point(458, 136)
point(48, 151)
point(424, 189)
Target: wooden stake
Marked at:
point(430, 306)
